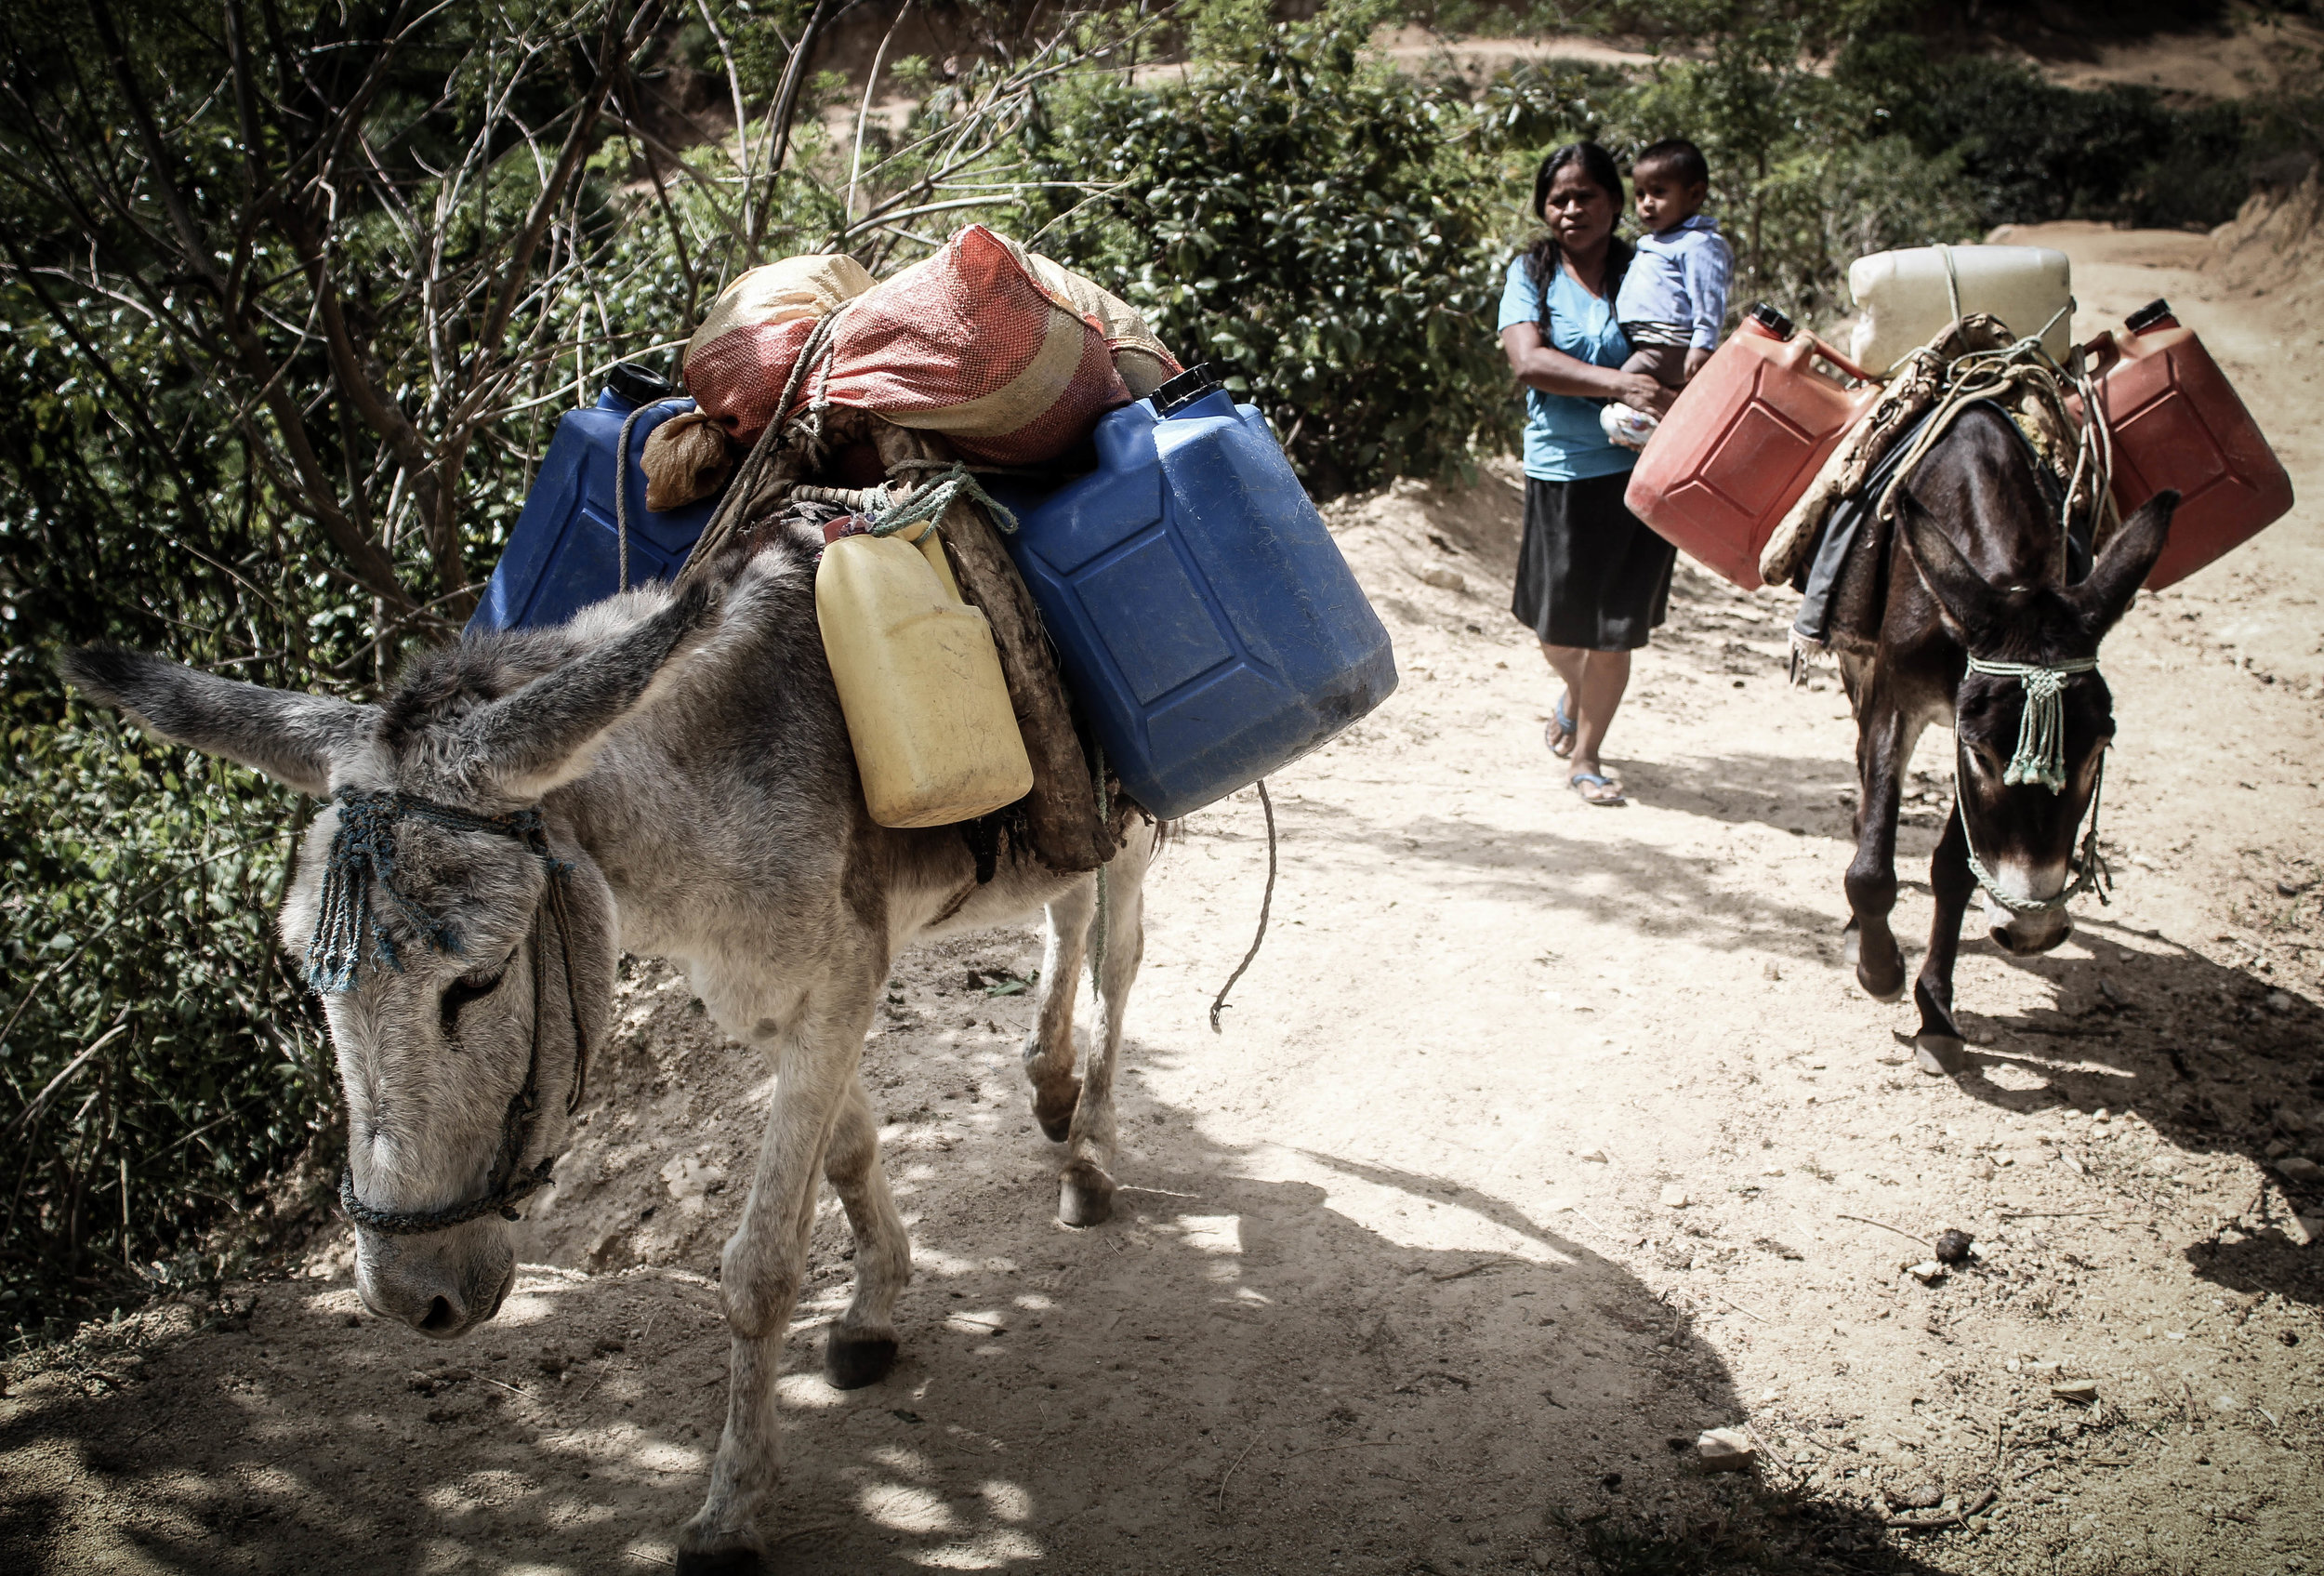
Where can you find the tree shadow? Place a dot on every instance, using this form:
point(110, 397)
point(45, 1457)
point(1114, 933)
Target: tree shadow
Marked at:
point(1639, 886)
point(2216, 1059)
point(1242, 1371)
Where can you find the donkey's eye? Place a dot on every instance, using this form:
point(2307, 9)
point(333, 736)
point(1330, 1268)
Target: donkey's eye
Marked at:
point(470, 988)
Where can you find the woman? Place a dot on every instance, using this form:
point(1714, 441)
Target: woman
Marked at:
point(1592, 578)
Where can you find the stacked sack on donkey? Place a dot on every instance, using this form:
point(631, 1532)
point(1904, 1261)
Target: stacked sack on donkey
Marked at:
point(1150, 545)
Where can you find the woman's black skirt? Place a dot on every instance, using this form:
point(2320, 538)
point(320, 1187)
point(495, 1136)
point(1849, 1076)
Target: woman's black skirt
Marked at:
point(1591, 573)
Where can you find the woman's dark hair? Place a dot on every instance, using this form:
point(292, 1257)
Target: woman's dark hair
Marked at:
point(1543, 256)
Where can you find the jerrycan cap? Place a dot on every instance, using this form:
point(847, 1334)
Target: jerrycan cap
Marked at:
point(2153, 316)
point(1193, 384)
point(1771, 320)
point(638, 385)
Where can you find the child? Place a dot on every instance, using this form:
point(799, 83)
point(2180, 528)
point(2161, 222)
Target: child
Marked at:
point(1673, 299)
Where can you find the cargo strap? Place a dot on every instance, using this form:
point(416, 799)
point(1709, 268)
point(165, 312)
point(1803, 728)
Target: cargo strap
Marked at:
point(1266, 902)
point(931, 499)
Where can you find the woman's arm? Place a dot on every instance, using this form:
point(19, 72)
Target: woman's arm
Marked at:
point(1553, 372)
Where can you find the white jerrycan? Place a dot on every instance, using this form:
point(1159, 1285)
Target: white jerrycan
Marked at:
point(1907, 296)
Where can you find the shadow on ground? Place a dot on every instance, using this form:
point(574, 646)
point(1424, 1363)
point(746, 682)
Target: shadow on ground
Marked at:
point(2216, 1059)
point(1232, 1376)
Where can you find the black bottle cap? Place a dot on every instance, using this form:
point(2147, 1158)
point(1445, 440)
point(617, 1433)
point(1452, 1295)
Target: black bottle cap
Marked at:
point(1770, 319)
point(2148, 316)
point(639, 385)
point(1184, 390)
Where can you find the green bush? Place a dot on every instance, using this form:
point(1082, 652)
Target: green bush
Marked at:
point(158, 1064)
point(1324, 231)
point(2031, 151)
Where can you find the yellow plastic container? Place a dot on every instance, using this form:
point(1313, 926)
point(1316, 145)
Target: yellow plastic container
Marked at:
point(919, 682)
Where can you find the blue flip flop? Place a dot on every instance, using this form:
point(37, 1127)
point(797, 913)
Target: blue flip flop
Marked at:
point(1560, 731)
point(1586, 782)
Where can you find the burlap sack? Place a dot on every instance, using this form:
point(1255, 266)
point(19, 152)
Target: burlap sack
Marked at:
point(1141, 360)
point(686, 458)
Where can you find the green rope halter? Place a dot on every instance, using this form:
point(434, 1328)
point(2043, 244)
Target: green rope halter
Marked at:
point(2041, 756)
point(931, 498)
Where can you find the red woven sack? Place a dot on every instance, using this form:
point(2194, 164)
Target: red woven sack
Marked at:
point(969, 344)
point(741, 357)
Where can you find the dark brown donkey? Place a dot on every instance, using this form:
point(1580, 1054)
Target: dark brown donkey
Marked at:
point(1980, 629)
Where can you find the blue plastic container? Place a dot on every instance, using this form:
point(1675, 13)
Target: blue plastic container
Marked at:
point(565, 551)
point(1206, 620)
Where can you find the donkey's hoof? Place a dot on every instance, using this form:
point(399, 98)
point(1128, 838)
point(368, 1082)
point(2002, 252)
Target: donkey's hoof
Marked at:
point(850, 1362)
point(1883, 975)
point(1939, 1055)
point(1056, 1117)
point(723, 1559)
point(1085, 1195)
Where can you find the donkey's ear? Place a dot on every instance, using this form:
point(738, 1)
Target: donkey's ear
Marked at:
point(293, 737)
point(1970, 606)
point(541, 737)
point(2124, 565)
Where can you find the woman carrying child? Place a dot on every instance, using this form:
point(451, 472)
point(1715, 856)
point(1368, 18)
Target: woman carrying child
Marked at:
point(1592, 578)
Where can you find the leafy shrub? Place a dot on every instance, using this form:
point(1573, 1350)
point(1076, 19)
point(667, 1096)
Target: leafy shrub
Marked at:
point(1320, 229)
point(2032, 151)
point(157, 1063)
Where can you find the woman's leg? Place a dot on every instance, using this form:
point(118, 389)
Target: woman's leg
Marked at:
point(1594, 682)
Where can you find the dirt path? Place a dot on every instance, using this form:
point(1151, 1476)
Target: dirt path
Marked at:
point(1400, 1284)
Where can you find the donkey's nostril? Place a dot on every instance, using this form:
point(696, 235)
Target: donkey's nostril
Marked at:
point(442, 1318)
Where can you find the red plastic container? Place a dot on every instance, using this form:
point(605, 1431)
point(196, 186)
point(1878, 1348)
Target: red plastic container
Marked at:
point(1743, 442)
point(2177, 423)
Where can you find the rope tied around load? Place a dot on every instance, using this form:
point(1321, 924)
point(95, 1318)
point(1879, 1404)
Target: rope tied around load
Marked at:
point(362, 859)
point(931, 498)
point(2041, 756)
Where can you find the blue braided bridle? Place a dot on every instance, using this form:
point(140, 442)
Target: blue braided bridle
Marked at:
point(359, 879)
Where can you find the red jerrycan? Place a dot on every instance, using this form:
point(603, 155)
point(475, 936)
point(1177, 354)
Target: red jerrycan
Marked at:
point(1743, 441)
point(2177, 423)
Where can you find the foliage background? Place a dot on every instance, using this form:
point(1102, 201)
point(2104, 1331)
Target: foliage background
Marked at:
point(1328, 231)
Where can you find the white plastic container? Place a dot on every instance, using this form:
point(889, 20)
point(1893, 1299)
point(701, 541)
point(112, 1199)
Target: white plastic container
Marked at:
point(1905, 302)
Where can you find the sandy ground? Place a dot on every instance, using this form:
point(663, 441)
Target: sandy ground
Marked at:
point(1402, 1281)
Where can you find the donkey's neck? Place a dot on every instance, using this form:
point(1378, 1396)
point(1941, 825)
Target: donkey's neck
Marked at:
point(711, 809)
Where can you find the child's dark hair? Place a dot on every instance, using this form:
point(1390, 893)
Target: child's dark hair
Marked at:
point(1678, 156)
point(1542, 257)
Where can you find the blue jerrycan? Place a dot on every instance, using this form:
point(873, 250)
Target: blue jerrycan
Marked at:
point(1206, 620)
point(565, 551)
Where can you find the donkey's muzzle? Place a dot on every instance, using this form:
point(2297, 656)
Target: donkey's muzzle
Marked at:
point(2026, 934)
point(443, 1285)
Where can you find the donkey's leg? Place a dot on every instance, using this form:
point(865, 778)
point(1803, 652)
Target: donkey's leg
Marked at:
point(1937, 1048)
point(861, 1345)
point(1048, 1049)
point(1883, 746)
point(1085, 1194)
point(765, 1262)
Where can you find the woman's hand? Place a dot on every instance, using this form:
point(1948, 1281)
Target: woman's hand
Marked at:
point(1641, 393)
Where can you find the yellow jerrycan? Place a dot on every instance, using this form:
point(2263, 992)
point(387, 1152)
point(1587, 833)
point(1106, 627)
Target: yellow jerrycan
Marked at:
point(919, 682)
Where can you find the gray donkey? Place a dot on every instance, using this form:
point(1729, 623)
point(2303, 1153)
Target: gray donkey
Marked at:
point(667, 773)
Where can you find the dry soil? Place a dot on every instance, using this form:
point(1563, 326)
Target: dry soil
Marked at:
point(1540, 1138)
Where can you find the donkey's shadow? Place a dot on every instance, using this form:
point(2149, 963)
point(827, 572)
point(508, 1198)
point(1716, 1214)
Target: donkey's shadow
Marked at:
point(2217, 1060)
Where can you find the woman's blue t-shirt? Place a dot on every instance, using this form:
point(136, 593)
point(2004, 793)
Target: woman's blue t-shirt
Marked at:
point(1564, 441)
